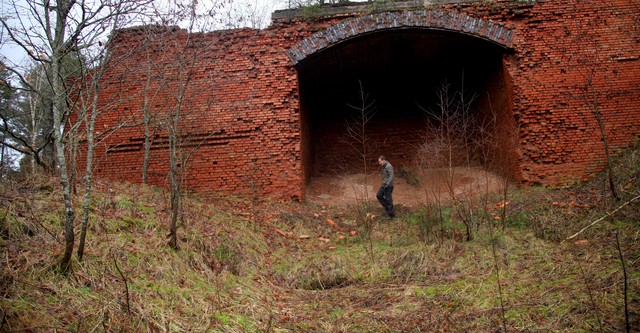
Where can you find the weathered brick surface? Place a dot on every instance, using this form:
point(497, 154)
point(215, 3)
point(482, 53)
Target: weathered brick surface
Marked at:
point(569, 56)
point(241, 127)
point(239, 123)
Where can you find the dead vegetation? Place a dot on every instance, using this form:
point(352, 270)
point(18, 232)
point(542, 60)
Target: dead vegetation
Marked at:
point(246, 266)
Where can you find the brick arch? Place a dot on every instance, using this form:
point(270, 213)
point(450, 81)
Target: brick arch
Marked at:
point(426, 19)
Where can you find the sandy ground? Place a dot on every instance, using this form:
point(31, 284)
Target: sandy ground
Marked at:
point(432, 185)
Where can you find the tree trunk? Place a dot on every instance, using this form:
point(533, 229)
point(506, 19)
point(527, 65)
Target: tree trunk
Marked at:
point(175, 211)
point(147, 129)
point(2, 161)
point(34, 122)
point(59, 111)
point(612, 185)
point(175, 186)
point(89, 171)
point(59, 114)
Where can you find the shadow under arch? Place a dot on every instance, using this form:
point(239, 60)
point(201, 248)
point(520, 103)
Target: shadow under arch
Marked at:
point(400, 59)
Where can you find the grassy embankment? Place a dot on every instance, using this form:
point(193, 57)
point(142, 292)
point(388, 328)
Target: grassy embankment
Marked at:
point(248, 266)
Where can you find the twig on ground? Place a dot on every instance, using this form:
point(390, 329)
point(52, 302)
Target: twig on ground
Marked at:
point(126, 284)
point(602, 218)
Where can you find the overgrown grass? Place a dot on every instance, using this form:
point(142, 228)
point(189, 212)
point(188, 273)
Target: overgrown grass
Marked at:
point(245, 266)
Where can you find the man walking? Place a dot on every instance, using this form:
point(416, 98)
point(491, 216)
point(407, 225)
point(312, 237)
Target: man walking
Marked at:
point(386, 189)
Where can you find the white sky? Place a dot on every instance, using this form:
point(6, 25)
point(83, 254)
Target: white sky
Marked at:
point(14, 55)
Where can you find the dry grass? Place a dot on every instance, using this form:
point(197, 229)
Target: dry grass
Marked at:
point(282, 267)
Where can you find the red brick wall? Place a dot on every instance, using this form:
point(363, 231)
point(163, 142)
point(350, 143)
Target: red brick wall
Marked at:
point(565, 48)
point(241, 126)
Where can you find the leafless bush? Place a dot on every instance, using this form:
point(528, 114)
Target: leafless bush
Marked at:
point(457, 138)
point(357, 135)
point(358, 139)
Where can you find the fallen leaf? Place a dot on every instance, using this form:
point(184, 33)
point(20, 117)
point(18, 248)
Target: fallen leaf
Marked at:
point(502, 204)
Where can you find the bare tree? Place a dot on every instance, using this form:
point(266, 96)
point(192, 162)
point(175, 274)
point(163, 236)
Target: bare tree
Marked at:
point(450, 145)
point(87, 105)
point(50, 33)
point(26, 120)
point(147, 120)
point(6, 94)
point(39, 118)
point(357, 136)
point(588, 65)
point(174, 72)
point(588, 60)
point(152, 88)
point(173, 133)
point(359, 140)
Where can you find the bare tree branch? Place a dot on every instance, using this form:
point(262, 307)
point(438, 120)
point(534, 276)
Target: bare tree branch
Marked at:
point(603, 217)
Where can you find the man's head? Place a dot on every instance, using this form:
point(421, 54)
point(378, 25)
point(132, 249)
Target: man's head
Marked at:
point(382, 159)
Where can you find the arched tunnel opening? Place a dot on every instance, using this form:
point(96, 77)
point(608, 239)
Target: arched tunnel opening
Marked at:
point(383, 93)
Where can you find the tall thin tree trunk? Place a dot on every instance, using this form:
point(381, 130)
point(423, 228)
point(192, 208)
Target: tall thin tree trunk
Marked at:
point(590, 98)
point(72, 144)
point(174, 128)
point(59, 110)
point(34, 123)
point(146, 118)
point(612, 185)
point(2, 161)
point(89, 171)
point(59, 114)
point(147, 129)
point(175, 186)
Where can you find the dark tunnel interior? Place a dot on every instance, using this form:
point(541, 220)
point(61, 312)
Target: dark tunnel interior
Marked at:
point(398, 74)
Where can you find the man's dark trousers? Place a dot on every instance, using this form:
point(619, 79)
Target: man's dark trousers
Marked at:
point(385, 198)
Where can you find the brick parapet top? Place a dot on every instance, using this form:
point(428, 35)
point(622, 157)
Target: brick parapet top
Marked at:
point(423, 18)
point(358, 8)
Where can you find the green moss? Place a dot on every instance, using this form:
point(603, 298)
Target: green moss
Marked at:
point(517, 220)
point(428, 292)
point(337, 313)
point(231, 319)
point(121, 202)
point(23, 303)
point(53, 218)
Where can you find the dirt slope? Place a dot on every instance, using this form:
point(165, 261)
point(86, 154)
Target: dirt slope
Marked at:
point(409, 190)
